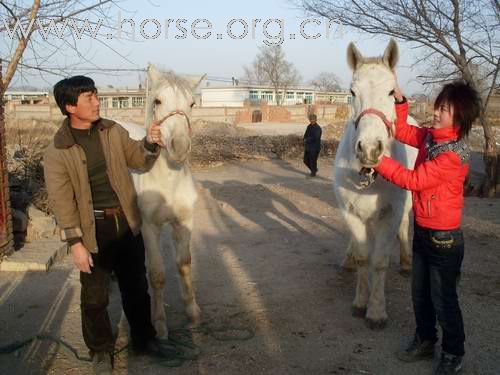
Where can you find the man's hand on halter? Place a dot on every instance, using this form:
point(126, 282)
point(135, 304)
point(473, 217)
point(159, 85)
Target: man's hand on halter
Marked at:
point(154, 134)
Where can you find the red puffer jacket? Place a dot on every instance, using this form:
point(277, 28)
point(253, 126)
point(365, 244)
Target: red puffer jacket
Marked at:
point(438, 177)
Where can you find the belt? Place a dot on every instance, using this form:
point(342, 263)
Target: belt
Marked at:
point(111, 211)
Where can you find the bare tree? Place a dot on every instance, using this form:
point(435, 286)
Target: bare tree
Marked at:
point(253, 75)
point(459, 38)
point(270, 66)
point(327, 82)
point(36, 33)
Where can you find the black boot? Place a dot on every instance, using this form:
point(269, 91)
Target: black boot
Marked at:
point(418, 350)
point(449, 364)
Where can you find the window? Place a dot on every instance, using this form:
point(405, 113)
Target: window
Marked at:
point(120, 102)
point(103, 102)
point(268, 96)
point(309, 97)
point(137, 101)
point(254, 95)
point(290, 95)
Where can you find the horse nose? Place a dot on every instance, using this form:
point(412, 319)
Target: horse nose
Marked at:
point(359, 147)
point(369, 153)
point(377, 150)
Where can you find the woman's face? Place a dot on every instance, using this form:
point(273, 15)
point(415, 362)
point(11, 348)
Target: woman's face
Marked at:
point(443, 116)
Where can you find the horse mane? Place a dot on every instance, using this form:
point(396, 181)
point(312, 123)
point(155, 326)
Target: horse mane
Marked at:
point(372, 61)
point(172, 79)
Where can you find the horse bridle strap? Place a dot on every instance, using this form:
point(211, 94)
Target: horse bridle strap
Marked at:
point(176, 112)
point(388, 124)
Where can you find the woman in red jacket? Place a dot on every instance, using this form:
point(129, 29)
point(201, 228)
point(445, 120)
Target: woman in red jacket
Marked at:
point(436, 183)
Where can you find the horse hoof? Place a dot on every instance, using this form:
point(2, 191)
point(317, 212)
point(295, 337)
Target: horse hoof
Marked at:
point(358, 312)
point(349, 265)
point(161, 329)
point(405, 272)
point(376, 325)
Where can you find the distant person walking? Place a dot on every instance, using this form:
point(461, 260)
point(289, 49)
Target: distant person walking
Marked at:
point(312, 145)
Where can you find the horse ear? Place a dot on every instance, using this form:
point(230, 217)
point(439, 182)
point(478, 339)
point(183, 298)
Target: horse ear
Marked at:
point(153, 73)
point(391, 54)
point(196, 81)
point(354, 57)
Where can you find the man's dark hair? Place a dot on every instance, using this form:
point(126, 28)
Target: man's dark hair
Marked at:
point(68, 90)
point(466, 104)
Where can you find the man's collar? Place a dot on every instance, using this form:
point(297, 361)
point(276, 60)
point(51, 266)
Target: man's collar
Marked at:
point(64, 138)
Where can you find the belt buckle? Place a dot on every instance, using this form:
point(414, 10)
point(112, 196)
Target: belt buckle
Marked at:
point(99, 214)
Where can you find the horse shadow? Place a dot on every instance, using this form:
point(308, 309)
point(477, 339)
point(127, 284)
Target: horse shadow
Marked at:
point(268, 216)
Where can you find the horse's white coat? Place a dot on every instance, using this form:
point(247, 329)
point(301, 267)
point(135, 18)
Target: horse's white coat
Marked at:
point(377, 215)
point(166, 193)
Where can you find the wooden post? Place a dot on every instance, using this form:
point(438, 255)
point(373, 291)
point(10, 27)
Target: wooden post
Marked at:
point(6, 235)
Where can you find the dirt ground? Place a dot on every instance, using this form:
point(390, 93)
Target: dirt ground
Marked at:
point(266, 252)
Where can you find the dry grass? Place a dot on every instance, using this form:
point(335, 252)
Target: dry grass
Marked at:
point(26, 140)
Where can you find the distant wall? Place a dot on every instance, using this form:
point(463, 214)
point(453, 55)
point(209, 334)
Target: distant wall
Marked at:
point(294, 113)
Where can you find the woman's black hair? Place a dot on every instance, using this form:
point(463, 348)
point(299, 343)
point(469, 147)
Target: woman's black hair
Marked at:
point(465, 102)
point(68, 90)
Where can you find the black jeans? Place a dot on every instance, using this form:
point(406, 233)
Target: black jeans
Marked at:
point(122, 253)
point(437, 260)
point(311, 160)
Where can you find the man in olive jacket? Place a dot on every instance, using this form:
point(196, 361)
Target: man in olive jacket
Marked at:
point(312, 145)
point(92, 196)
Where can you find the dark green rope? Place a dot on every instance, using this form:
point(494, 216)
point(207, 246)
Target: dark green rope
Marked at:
point(179, 346)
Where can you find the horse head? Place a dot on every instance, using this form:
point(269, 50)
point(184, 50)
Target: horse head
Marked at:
point(170, 101)
point(372, 87)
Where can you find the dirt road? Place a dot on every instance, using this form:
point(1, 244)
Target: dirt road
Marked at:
point(266, 252)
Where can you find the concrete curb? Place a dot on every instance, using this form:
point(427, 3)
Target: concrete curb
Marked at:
point(35, 256)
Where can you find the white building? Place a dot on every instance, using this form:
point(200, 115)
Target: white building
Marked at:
point(26, 97)
point(121, 98)
point(236, 96)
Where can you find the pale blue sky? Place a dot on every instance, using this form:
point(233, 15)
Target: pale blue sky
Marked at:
point(226, 57)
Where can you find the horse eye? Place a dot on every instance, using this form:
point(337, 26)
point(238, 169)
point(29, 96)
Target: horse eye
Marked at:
point(352, 93)
point(192, 105)
point(157, 101)
point(391, 93)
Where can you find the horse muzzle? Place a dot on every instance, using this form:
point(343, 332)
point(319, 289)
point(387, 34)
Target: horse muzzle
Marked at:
point(179, 149)
point(369, 153)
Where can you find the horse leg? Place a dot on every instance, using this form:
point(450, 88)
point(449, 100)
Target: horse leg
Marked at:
point(156, 277)
point(384, 240)
point(376, 315)
point(182, 239)
point(404, 248)
point(360, 255)
point(349, 263)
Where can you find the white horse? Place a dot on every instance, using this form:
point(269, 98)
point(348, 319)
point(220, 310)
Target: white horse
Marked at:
point(376, 211)
point(166, 194)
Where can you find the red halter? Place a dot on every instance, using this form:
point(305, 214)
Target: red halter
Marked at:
point(388, 124)
point(176, 112)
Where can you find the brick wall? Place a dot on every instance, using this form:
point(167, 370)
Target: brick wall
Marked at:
point(295, 113)
point(6, 236)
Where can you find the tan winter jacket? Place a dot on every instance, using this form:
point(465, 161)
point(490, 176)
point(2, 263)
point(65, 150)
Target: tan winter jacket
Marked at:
point(68, 184)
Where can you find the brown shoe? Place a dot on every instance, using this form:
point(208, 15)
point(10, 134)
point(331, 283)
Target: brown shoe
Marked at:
point(418, 350)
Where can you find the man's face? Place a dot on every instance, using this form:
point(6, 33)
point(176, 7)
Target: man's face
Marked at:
point(86, 108)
